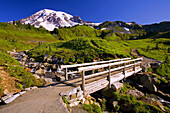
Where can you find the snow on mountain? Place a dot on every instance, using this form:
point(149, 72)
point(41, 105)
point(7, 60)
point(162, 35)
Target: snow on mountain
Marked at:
point(51, 19)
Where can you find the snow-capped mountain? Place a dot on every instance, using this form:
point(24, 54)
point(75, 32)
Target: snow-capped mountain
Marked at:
point(51, 19)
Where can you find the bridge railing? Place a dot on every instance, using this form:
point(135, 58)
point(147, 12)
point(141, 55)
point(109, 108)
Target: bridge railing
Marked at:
point(66, 67)
point(111, 67)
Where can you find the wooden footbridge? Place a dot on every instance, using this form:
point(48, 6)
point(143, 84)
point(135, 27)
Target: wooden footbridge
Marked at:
point(98, 75)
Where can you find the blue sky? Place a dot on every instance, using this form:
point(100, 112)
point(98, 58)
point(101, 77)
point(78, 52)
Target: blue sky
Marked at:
point(141, 11)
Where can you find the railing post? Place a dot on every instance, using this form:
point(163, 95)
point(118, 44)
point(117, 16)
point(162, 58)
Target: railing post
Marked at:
point(134, 67)
point(93, 70)
point(109, 77)
point(83, 81)
point(124, 70)
point(66, 74)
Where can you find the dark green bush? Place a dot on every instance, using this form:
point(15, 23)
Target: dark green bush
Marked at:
point(92, 108)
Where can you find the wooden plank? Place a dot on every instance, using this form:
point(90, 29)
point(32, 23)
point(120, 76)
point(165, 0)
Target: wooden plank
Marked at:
point(73, 72)
point(95, 86)
point(86, 64)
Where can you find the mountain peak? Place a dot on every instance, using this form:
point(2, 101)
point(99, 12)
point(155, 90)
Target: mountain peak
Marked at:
point(51, 19)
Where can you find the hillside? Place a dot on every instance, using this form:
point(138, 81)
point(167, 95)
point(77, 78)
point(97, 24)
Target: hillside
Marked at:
point(24, 33)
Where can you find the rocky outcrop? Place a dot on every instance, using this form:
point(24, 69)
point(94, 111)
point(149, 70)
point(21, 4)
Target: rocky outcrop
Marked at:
point(135, 93)
point(146, 81)
point(74, 96)
point(77, 19)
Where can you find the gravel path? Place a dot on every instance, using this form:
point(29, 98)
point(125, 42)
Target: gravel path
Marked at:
point(145, 59)
point(40, 100)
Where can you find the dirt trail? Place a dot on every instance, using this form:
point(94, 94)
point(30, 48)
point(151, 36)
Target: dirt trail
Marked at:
point(40, 100)
point(145, 59)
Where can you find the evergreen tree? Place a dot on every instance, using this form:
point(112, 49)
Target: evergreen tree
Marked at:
point(168, 50)
point(157, 47)
point(49, 48)
point(167, 59)
point(14, 22)
point(13, 40)
point(148, 48)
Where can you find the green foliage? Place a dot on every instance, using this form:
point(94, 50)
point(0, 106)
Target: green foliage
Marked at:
point(150, 70)
point(103, 104)
point(76, 31)
point(128, 103)
point(92, 108)
point(142, 45)
point(164, 70)
point(1, 91)
point(24, 33)
point(7, 45)
point(26, 78)
point(19, 86)
point(5, 58)
point(117, 107)
point(65, 101)
point(81, 50)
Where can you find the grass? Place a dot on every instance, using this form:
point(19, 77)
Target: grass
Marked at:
point(152, 52)
point(25, 34)
point(65, 101)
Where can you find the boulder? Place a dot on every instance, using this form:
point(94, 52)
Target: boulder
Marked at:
point(135, 92)
point(60, 77)
point(36, 76)
point(9, 95)
point(70, 92)
point(82, 100)
point(74, 104)
point(114, 103)
point(155, 80)
point(146, 81)
point(73, 96)
point(80, 93)
point(87, 102)
point(159, 104)
point(5, 92)
point(47, 81)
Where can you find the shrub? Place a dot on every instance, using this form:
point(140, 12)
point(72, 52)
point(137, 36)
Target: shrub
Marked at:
point(26, 78)
point(19, 86)
point(117, 107)
point(149, 69)
point(104, 104)
point(65, 101)
point(92, 108)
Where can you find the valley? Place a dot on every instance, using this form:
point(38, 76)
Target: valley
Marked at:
point(34, 48)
